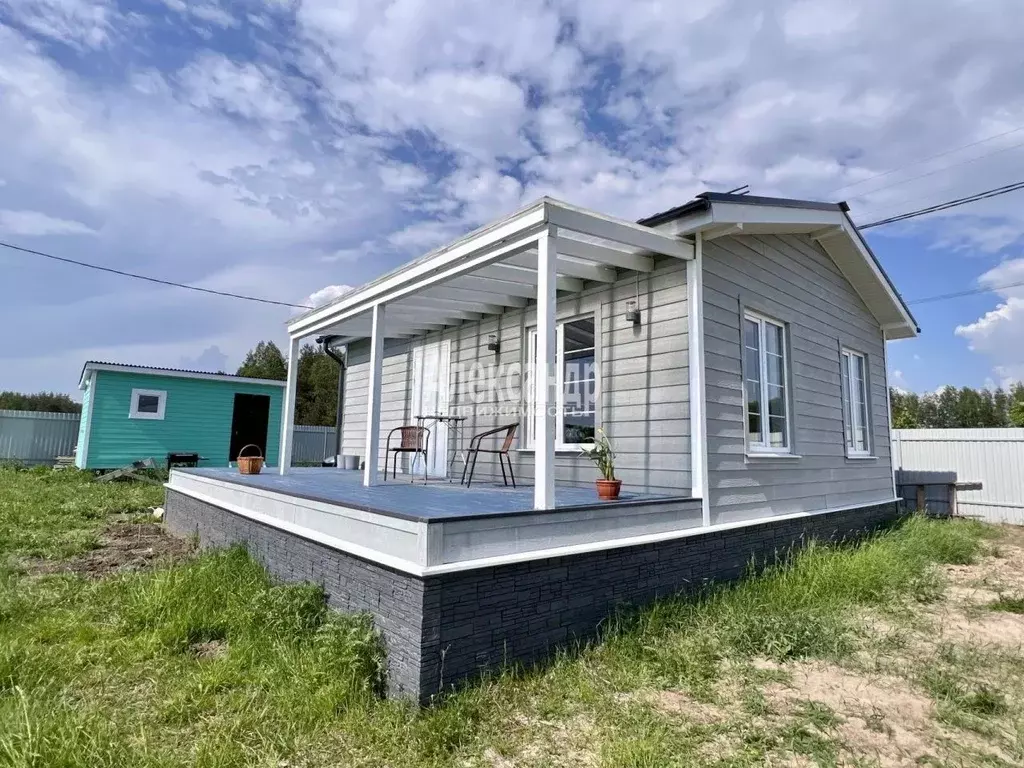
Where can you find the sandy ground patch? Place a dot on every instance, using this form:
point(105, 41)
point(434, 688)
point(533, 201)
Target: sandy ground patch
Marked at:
point(880, 718)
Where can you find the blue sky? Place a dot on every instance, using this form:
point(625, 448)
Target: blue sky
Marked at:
point(289, 148)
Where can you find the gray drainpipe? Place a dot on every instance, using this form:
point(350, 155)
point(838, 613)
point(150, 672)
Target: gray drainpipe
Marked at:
point(325, 342)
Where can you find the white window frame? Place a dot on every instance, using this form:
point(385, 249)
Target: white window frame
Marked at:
point(135, 413)
point(531, 367)
point(764, 446)
point(851, 415)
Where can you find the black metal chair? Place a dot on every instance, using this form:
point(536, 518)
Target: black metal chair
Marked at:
point(414, 440)
point(502, 453)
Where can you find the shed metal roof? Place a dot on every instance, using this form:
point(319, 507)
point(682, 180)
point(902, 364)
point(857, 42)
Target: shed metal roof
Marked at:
point(182, 373)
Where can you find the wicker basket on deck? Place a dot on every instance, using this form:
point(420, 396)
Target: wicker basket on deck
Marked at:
point(250, 465)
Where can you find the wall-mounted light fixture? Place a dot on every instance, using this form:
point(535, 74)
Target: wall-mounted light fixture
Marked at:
point(492, 343)
point(632, 312)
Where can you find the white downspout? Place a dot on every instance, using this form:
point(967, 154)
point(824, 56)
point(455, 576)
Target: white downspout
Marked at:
point(698, 389)
point(288, 409)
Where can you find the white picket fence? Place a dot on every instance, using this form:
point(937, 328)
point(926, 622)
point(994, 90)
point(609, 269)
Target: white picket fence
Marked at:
point(32, 437)
point(993, 457)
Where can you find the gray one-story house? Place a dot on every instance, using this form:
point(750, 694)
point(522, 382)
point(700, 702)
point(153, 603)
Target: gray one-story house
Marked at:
point(732, 349)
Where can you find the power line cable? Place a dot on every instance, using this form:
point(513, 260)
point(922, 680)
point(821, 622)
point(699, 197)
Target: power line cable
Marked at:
point(925, 160)
point(938, 170)
point(990, 193)
point(961, 294)
point(156, 280)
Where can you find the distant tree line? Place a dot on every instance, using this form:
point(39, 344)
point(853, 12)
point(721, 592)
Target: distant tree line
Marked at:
point(316, 400)
point(49, 402)
point(964, 408)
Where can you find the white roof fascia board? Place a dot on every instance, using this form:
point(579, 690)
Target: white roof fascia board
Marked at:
point(854, 234)
point(141, 369)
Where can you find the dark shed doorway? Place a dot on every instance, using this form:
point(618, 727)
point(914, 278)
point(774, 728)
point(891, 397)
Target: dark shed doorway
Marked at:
point(249, 424)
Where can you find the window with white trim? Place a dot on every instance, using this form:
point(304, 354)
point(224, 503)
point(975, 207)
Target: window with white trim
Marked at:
point(576, 398)
point(766, 372)
point(855, 403)
point(148, 404)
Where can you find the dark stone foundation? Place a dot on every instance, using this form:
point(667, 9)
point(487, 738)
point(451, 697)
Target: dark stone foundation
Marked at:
point(445, 629)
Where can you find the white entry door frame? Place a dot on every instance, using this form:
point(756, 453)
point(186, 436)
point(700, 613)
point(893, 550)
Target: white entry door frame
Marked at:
point(431, 390)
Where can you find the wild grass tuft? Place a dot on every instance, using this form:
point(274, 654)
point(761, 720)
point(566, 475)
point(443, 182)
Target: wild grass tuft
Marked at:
point(1009, 604)
point(801, 606)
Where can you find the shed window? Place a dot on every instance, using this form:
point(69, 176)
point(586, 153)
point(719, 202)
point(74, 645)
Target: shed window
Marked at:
point(766, 371)
point(855, 403)
point(575, 344)
point(148, 404)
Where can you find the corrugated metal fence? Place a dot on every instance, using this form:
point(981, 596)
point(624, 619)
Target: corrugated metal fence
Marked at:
point(32, 437)
point(993, 457)
point(312, 444)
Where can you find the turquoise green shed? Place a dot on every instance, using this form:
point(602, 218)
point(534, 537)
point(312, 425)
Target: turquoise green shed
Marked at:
point(130, 413)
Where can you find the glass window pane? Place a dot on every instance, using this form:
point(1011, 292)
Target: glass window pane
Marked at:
point(776, 432)
point(578, 335)
point(578, 428)
point(776, 370)
point(848, 409)
point(776, 401)
point(754, 411)
point(751, 334)
point(773, 335)
point(148, 404)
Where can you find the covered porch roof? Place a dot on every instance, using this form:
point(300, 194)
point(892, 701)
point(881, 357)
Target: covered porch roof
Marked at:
point(494, 269)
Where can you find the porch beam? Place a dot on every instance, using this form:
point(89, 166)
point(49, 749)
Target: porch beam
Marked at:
point(467, 296)
point(489, 285)
point(544, 376)
point(585, 270)
point(568, 246)
point(618, 231)
point(377, 317)
point(284, 448)
point(511, 273)
point(430, 300)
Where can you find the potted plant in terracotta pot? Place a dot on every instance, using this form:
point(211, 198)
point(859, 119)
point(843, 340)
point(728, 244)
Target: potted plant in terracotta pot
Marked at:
point(603, 456)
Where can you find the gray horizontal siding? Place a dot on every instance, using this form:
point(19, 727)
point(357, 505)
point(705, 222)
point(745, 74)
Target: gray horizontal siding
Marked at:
point(644, 381)
point(791, 279)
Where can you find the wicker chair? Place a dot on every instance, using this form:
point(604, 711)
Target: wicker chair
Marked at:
point(413, 440)
point(502, 452)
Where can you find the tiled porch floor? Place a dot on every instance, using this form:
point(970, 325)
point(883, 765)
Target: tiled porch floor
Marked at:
point(434, 500)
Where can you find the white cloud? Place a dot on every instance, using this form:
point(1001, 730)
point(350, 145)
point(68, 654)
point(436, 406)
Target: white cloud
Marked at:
point(327, 294)
point(82, 24)
point(35, 224)
point(999, 333)
point(214, 81)
point(272, 148)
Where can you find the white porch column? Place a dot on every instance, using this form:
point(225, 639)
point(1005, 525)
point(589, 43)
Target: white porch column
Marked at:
point(545, 398)
point(288, 409)
point(698, 392)
point(373, 395)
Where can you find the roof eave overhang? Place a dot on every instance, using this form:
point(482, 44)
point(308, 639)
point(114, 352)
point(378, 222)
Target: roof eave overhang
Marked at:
point(496, 243)
point(830, 226)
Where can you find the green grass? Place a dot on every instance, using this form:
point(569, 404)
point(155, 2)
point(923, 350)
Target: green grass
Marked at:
point(1014, 604)
point(209, 663)
point(57, 514)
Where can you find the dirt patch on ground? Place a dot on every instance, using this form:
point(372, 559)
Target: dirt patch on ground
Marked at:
point(211, 649)
point(123, 546)
point(879, 717)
